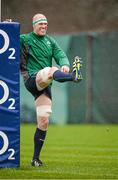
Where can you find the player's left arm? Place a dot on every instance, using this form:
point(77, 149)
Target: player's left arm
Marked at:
point(60, 57)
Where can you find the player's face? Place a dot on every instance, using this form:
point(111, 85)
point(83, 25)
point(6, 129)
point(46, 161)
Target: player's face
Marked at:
point(40, 29)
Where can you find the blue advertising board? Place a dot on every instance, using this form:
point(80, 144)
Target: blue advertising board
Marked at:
point(9, 95)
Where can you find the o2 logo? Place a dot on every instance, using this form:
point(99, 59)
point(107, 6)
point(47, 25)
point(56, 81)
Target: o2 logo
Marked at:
point(6, 95)
point(6, 45)
point(5, 146)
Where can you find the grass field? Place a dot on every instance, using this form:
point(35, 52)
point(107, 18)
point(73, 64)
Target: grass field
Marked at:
point(70, 152)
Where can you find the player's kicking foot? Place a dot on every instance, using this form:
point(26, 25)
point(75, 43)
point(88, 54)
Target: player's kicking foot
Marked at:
point(77, 64)
point(36, 162)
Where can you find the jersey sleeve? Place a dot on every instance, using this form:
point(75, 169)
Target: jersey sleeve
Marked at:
point(23, 56)
point(59, 55)
point(21, 44)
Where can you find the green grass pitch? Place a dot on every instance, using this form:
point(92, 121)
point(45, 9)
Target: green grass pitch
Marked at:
point(70, 152)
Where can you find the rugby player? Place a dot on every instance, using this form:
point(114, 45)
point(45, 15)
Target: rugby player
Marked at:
point(37, 50)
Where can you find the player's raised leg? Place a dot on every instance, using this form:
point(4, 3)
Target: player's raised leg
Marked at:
point(45, 76)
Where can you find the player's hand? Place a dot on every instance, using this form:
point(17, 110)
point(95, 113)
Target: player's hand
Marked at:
point(65, 69)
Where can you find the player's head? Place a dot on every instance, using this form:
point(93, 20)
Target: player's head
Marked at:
point(40, 24)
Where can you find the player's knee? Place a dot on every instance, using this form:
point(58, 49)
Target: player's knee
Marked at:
point(43, 123)
point(44, 77)
point(43, 113)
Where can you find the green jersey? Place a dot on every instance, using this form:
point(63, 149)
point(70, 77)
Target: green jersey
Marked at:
point(37, 52)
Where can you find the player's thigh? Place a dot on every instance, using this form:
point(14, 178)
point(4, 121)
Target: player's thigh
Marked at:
point(43, 100)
